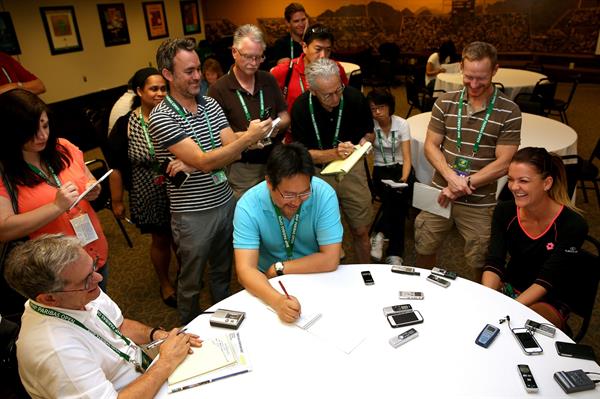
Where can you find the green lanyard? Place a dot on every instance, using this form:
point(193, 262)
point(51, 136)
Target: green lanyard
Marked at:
point(41, 174)
point(488, 112)
point(245, 107)
point(334, 143)
point(381, 146)
point(146, 135)
point(291, 48)
point(177, 108)
point(288, 243)
point(301, 83)
point(59, 315)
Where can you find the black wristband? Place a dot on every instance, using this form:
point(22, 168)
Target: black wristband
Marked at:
point(155, 329)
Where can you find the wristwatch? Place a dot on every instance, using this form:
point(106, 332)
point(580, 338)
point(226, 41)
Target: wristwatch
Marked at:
point(279, 268)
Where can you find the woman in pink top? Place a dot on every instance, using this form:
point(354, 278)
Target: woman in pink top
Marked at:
point(47, 174)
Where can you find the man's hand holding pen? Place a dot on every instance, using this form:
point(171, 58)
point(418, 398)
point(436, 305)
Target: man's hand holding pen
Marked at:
point(287, 307)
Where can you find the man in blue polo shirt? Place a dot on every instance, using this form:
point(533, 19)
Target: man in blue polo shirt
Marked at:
point(290, 223)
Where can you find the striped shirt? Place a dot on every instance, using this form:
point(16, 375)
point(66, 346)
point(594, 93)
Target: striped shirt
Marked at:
point(503, 127)
point(167, 127)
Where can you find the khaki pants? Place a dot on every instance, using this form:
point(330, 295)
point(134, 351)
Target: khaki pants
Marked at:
point(353, 195)
point(473, 224)
point(243, 176)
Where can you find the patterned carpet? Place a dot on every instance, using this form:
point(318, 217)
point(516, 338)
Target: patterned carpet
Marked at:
point(134, 286)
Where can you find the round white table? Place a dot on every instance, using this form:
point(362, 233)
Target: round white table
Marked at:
point(536, 131)
point(515, 81)
point(349, 67)
point(442, 362)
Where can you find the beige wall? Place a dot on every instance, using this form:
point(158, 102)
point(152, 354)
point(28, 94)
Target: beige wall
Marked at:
point(96, 67)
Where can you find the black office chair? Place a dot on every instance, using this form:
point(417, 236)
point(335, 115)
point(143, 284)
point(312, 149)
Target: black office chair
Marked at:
point(418, 96)
point(500, 86)
point(540, 100)
point(356, 79)
point(584, 171)
point(98, 167)
point(579, 286)
point(559, 107)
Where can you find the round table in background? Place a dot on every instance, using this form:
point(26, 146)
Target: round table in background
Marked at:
point(536, 131)
point(515, 81)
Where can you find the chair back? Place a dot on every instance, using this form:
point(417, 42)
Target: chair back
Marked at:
point(545, 89)
point(596, 152)
point(573, 165)
point(500, 86)
point(579, 287)
point(356, 79)
point(412, 92)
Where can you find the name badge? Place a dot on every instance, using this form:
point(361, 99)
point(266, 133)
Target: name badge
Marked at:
point(462, 166)
point(219, 177)
point(84, 229)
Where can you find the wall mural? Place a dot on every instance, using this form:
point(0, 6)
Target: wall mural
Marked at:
point(552, 26)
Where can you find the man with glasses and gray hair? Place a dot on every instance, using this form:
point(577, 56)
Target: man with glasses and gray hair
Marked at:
point(193, 130)
point(74, 340)
point(247, 93)
point(288, 224)
point(330, 119)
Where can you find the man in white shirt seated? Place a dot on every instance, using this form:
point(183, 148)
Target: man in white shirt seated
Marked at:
point(288, 224)
point(74, 342)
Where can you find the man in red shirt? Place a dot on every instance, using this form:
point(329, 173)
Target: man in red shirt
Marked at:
point(13, 76)
point(318, 43)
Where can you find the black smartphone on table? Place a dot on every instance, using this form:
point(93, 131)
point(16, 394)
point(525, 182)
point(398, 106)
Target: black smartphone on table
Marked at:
point(579, 351)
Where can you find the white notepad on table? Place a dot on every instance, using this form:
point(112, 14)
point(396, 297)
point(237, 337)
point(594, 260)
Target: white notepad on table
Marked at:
point(426, 198)
point(214, 354)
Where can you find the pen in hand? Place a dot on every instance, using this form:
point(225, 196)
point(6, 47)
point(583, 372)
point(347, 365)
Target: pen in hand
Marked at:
point(284, 290)
point(157, 342)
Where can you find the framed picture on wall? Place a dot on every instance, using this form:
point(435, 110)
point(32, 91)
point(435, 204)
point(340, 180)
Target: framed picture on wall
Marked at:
point(156, 19)
point(190, 17)
point(114, 24)
point(61, 29)
point(8, 37)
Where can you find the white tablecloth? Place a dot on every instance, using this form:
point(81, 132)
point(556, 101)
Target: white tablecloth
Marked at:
point(514, 81)
point(442, 362)
point(536, 131)
point(349, 67)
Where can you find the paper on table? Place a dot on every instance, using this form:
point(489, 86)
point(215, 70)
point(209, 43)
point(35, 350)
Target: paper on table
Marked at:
point(343, 166)
point(90, 188)
point(240, 365)
point(425, 197)
point(306, 319)
point(214, 354)
point(338, 331)
point(394, 184)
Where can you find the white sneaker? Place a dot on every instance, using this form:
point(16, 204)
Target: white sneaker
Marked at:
point(394, 260)
point(377, 246)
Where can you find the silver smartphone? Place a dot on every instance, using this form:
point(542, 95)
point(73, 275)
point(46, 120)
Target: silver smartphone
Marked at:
point(404, 319)
point(527, 341)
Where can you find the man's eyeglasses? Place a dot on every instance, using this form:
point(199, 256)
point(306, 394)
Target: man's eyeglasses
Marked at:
point(337, 92)
point(291, 197)
point(247, 57)
point(88, 278)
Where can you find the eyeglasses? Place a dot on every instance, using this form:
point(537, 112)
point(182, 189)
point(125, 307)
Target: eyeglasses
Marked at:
point(378, 108)
point(88, 278)
point(337, 92)
point(291, 197)
point(247, 57)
